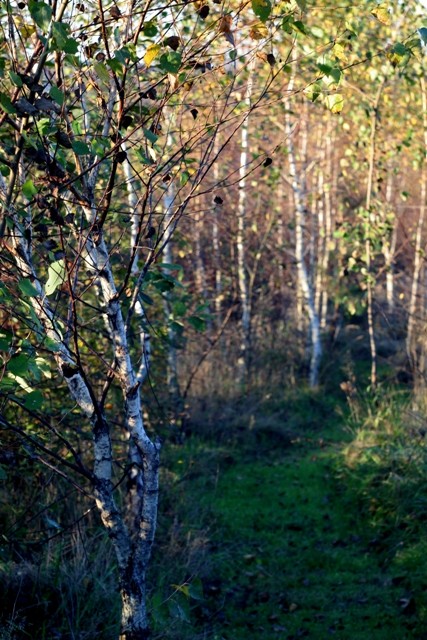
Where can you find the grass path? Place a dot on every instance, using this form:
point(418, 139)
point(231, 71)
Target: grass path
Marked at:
point(293, 558)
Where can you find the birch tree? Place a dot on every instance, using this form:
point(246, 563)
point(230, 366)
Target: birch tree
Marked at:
point(84, 170)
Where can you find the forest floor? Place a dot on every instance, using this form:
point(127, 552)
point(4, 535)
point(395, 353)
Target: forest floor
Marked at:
point(278, 545)
point(280, 518)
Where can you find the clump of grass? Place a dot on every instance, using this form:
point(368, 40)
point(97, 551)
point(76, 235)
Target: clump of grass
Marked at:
point(67, 592)
point(384, 470)
point(385, 464)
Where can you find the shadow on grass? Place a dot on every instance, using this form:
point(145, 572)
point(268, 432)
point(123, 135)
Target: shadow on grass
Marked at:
point(293, 529)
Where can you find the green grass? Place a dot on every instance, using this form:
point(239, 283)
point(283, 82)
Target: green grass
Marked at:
point(292, 547)
point(282, 518)
point(298, 562)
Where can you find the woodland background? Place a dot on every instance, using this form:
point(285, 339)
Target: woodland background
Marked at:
point(262, 196)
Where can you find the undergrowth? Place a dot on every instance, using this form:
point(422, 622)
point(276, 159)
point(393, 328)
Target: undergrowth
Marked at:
point(281, 516)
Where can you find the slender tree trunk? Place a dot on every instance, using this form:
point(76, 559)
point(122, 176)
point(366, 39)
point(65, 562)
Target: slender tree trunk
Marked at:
point(328, 228)
point(216, 242)
point(300, 200)
point(390, 246)
point(319, 233)
point(131, 535)
point(132, 552)
point(242, 275)
point(370, 282)
point(418, 253)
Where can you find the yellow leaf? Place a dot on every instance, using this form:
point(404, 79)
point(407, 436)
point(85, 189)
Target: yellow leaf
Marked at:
point(151, 53)
point(382, 14)
point(339, 52)
point(258, 31)
point(334, 102)
point(27, 30)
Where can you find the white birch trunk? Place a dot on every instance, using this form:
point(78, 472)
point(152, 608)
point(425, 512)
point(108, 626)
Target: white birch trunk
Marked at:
point(242, 275)
point(132, 548)
point(132, 538)
point(215, 241)
point(418, 251)
point(303, 276)
point(368, 248)
point(390, 245)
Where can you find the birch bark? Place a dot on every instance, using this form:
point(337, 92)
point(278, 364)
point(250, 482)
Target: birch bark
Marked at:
point(300, 202)
point(370, 228)
point(418, 250)
point(242, 274)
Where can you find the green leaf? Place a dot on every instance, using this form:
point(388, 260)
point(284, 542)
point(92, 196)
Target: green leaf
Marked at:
point(178, 610)
point(15, 79)
point(170, 61)
point(123, 55)
point(43, 366)
point(41, 13)
point(195, 589)
point(28, 189)
point(80, 148)
point(184, 178)
point(27, 288)
point(6, 104)
point(6, 339)
point(56, 276)
point(183, 588)
point(3, 474)
point(400, 49)
point(60, 31)
point(177, 328)
point(262, 9)
point(287, 23)
point(332, 75)
point(144, 159)
point(198, 323)
point(145, 298)
point(179, 309)
point(34, 400)
point(62, 40)
point(18, 365)
point(115, 65)
point(57, 95)
point(172, 266)
point(150, 136)
point(163, 285)
point(102, 72)
point(71, 46)
point(150, 29)
point(299, 26)
point(7, 384)
point(398, 53)
point(313, 91)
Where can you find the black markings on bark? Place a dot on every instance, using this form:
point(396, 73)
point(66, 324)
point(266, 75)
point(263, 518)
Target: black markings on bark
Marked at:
point(69, 370)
